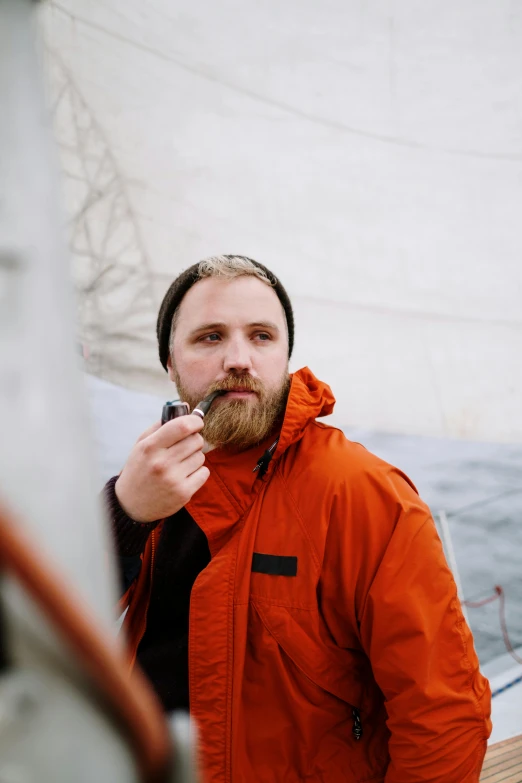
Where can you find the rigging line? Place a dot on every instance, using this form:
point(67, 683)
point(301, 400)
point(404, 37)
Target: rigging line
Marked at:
point(480, 503)
point(483, 602)
point(503, 625)
point(108, 154)
point(287, 108)
point(508, 685)
point(501, 596)
point(401, 311)
point(398, 312)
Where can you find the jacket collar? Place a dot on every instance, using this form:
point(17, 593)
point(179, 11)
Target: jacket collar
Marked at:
point(233, 483)
point(308, 399)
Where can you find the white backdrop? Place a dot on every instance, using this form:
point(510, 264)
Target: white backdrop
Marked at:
point(370, 153)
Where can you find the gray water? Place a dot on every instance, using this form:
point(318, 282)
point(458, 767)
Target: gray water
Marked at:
point(478, 485)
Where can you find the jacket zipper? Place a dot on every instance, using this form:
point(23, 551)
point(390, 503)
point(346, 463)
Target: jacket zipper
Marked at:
point(151, 571)
point(264, 461)
point(152, 553)
point(262, 466)
point(357, 729)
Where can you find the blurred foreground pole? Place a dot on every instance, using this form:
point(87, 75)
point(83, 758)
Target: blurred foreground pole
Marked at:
point(53, 728)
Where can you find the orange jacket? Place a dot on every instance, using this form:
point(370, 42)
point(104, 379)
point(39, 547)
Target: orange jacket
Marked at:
point(354, 612)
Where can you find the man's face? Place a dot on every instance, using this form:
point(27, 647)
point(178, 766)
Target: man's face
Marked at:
point(232, 334)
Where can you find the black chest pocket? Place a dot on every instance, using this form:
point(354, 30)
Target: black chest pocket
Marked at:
point(274, 565)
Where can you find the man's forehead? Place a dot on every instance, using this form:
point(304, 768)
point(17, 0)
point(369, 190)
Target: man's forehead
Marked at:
point(217, 300)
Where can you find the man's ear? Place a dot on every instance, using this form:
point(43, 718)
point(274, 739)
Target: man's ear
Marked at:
point(170, 369)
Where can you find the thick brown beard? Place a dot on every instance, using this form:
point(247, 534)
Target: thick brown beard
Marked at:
point(240, 424)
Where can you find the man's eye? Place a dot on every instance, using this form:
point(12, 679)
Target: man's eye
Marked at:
point(211, 338)
point(263, 336)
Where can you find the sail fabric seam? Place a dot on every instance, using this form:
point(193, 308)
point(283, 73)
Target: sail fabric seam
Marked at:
point(287, 108)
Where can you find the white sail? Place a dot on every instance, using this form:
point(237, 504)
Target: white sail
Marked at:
point(369, 153)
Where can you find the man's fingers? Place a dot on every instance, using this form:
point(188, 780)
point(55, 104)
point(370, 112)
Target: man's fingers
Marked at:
point(176, 430)
point(197, 479)
point(192, 463)
point(185, 448)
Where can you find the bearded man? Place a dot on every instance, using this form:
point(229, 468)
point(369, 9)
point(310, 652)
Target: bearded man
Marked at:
point(284, 584)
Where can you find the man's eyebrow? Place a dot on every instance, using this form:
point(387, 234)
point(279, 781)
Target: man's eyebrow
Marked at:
point(221, 325)
point(208, 327)
point(265, 325)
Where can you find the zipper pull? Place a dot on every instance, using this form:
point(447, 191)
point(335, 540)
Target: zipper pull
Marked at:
point(264, 461)
point(357, 729)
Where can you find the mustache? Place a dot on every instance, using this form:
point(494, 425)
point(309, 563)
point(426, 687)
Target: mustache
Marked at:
point(245, 382)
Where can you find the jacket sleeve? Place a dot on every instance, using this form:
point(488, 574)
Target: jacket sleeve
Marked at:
point(421, 651)
point(129, 536)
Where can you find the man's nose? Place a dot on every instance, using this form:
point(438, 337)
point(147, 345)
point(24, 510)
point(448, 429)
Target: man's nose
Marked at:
point(237, 356)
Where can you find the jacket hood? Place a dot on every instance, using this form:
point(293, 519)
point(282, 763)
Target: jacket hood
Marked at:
point(308, 399)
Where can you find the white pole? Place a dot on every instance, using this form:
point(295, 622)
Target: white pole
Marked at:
point(52, 728)
point(452, 560)
point(46, 469)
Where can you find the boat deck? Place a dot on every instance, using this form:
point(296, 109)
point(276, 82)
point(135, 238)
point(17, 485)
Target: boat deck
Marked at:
point(503, 762)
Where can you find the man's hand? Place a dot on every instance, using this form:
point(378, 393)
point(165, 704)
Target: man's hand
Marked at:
point(165, 468)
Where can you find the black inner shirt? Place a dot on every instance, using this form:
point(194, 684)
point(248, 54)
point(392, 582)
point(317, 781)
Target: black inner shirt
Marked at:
point(182, 553)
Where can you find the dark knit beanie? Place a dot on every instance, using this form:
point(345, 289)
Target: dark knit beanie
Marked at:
point(184, 281)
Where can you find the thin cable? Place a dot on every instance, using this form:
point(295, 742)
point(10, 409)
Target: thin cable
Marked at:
point(501, 597)
point(479, 503)
point(506, 687)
